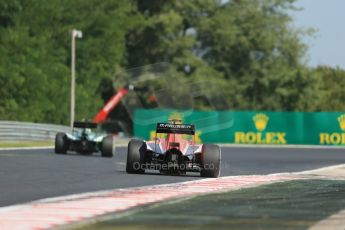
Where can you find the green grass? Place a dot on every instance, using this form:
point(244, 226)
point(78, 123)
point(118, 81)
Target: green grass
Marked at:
point(286, 205)
point(7, 144)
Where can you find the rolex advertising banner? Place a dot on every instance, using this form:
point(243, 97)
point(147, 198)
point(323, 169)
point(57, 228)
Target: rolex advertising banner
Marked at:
point(250, 127)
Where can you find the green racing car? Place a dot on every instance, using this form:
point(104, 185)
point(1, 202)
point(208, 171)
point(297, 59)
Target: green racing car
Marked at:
point(85, 139)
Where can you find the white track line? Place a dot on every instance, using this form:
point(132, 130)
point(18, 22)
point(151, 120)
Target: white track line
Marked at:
point(310, 172)
point(320, 170)
point(334, 222)
point(53, 212)
point(26, 148)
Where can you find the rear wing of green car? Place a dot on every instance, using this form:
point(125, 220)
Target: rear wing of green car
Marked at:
point(84, 125)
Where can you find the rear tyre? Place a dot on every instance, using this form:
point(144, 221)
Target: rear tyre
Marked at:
point(210, 158)
point(61, 143)
point(135, 156)
point(108, 146)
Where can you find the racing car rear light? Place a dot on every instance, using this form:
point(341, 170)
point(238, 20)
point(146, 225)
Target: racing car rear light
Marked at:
point(175, 128)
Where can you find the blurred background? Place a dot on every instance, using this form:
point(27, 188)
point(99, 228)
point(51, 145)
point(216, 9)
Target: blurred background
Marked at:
point(244, 55)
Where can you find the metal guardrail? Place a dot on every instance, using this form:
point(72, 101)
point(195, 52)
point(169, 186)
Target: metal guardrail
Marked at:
point(14, 130)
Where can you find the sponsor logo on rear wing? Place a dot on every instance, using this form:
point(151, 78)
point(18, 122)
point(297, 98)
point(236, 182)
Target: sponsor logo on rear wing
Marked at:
point(175, 128)
point(84, 125)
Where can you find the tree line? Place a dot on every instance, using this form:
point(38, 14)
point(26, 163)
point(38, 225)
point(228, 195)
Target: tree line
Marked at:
point(251, 48)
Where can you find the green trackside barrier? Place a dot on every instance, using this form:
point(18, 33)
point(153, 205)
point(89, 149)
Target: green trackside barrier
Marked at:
point(250, 127)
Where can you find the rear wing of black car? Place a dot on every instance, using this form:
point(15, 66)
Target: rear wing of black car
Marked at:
point(175, 128)
point(84, 125)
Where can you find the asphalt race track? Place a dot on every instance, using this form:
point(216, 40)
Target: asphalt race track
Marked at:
point(27, 175)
